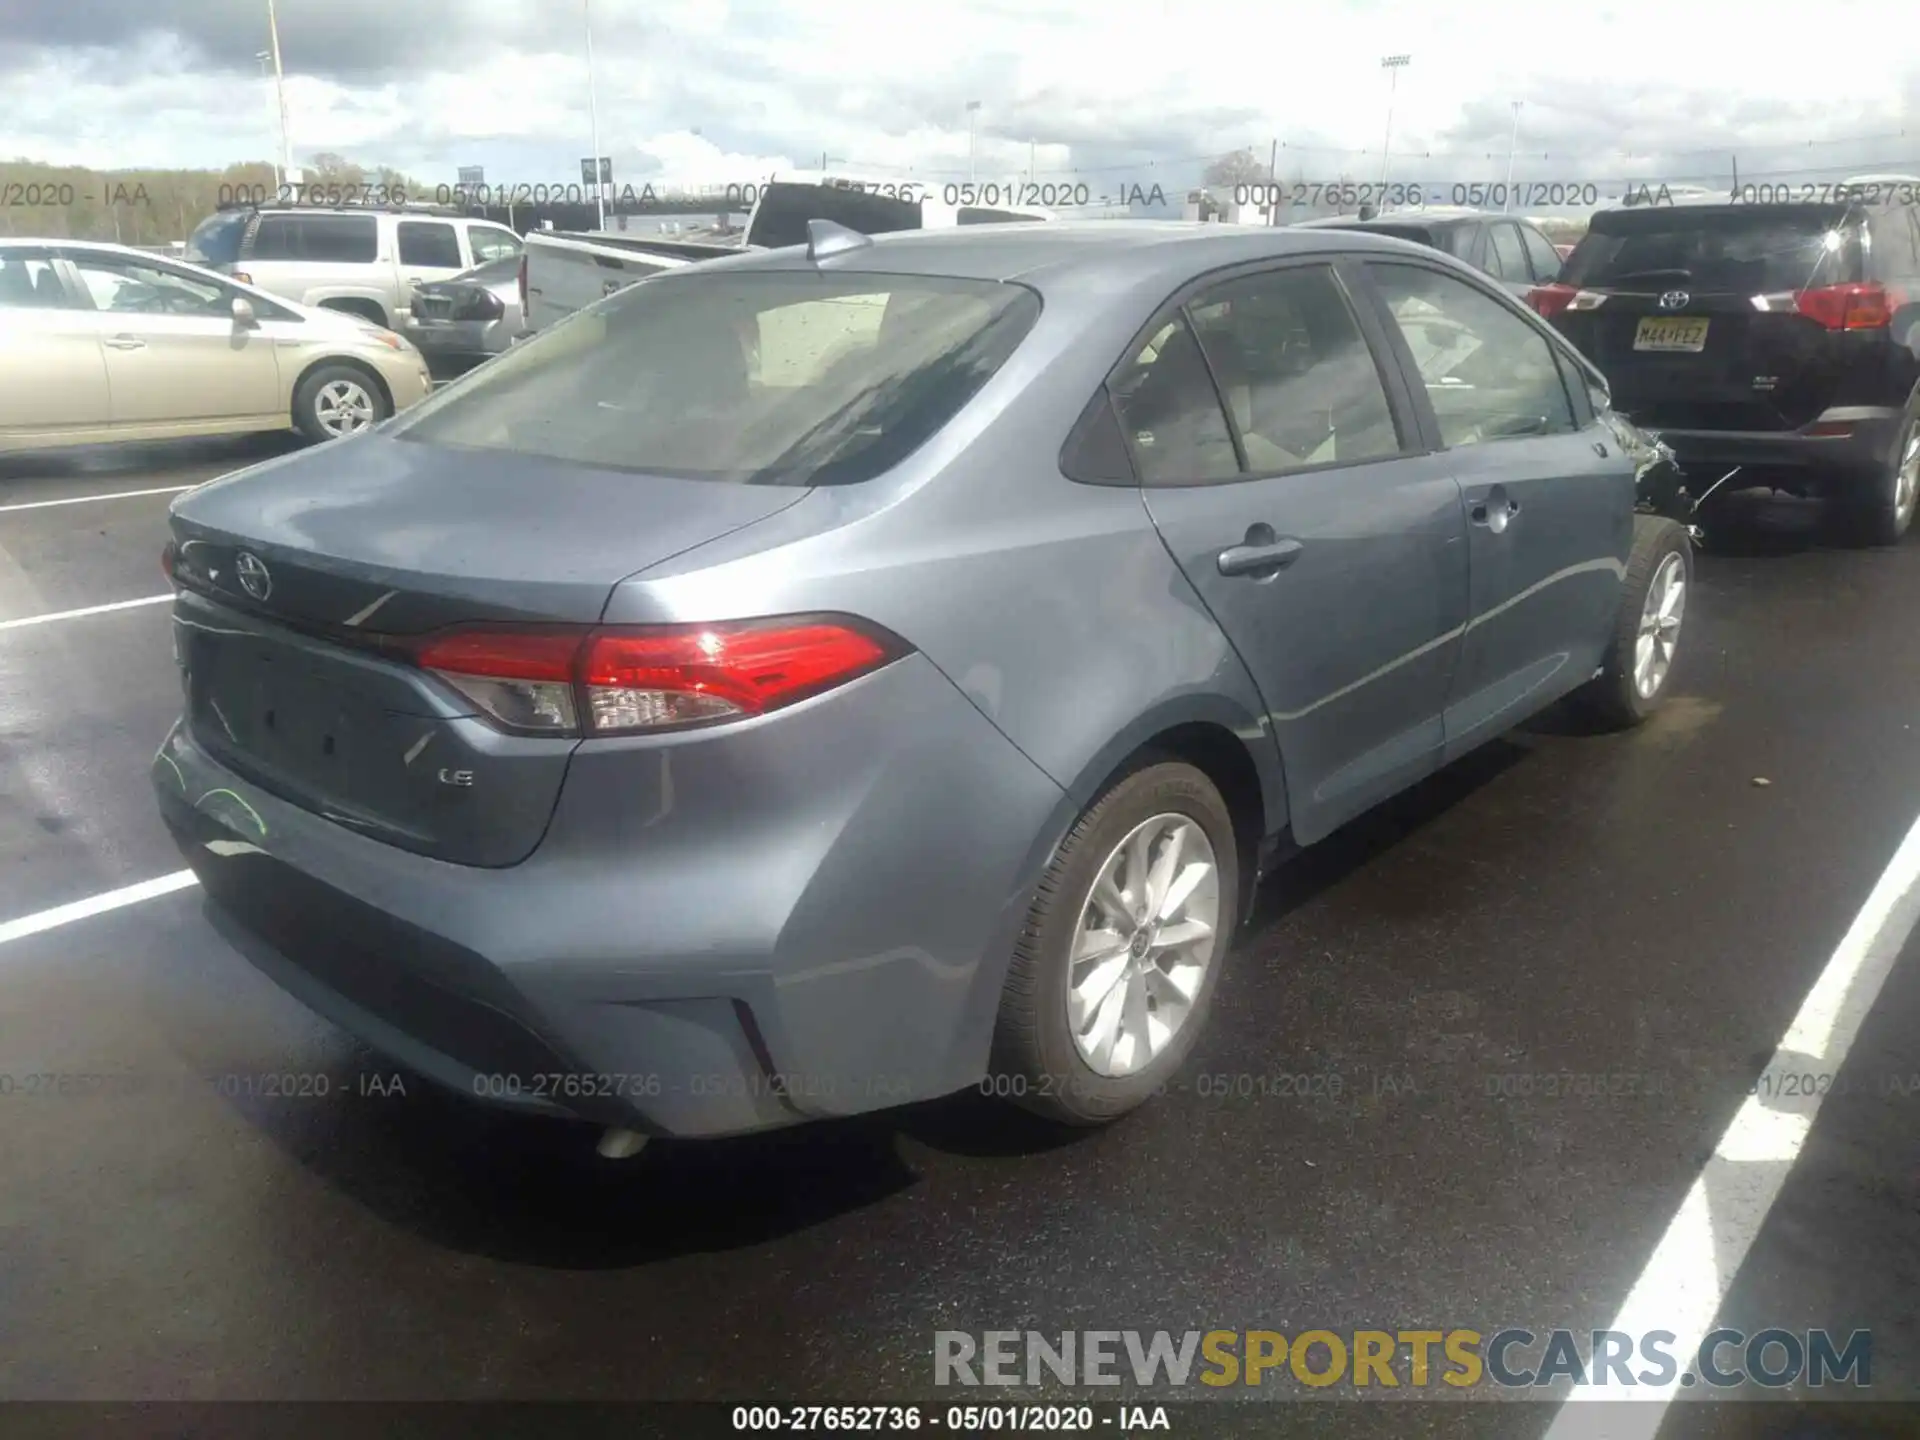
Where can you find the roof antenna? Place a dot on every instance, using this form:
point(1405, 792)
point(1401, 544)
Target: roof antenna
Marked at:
point(825, 240)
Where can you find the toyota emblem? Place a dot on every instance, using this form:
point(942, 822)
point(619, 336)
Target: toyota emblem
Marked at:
point(1674, 300)
point(255, 578)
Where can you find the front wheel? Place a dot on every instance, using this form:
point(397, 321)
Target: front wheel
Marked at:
point(1115, 969)
point(338, 400)
point(1646, 633)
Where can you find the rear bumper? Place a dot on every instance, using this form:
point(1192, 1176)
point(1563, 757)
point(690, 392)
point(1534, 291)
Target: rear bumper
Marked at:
point(1816, 461)
point(712, 938)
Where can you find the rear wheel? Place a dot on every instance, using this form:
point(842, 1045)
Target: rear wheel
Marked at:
point(1115, 969)
point(1880, 511)
point(338, 400)
point(1646, 633)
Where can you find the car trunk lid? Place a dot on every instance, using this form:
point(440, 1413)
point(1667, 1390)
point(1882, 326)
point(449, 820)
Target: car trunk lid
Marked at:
point(1691, 312)
point(301, 580)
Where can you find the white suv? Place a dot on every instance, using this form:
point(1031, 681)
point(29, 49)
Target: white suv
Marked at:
point(363, 261)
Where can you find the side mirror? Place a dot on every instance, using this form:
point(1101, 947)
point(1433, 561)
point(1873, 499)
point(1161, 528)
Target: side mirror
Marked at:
point(243, 315)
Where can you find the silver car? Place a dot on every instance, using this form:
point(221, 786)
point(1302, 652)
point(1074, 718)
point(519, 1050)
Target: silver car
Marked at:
point(103, 343)
point(857, 672)
point(459, 323)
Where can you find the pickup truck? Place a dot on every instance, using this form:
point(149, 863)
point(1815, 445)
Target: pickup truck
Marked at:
point(562, 272)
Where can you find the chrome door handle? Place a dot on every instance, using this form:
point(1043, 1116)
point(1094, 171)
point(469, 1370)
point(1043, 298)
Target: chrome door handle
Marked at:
point(124, 342)
point(1259, 559)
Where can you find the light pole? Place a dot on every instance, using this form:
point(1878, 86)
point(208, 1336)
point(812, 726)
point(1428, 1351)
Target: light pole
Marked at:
point(265, 57)
point(973, 112)
point(1513, 139)
point(593, 117)
point(280, 93)
point(1393, 65)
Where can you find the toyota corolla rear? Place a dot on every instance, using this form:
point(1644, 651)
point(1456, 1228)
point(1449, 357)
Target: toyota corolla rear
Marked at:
point(454, 773)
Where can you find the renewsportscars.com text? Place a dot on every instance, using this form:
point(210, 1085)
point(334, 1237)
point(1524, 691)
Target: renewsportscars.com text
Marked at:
point(1460, 1358)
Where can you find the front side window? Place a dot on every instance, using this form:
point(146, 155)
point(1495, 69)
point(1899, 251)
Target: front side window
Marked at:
point(1489, 374)
point(132, 287)
point(1299, 377)
point(771, 378)
point(489, 243)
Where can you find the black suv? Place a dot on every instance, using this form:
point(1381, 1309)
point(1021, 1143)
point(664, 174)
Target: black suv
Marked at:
point(1512, 251)
point(1776, 342)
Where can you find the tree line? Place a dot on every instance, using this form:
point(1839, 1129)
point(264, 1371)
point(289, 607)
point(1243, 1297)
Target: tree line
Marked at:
point(152, 207)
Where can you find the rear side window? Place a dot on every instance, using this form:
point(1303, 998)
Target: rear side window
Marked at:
point(1545, 259)
point(429, 243)
point(216, 239)
point(332, 239)
point(789, 378)
point(1171, 413)
point(1505, 258)
point(1749, 250)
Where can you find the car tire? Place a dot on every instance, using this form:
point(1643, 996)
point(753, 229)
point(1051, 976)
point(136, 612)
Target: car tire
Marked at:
point(329, 396)
point(1037, 1060)
point(1879, 508)
point(1652, 610)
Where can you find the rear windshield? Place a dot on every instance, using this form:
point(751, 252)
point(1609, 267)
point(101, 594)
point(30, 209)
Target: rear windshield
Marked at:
point(1740, 251)
point(791, 378)
point(216, 239)
point(785, 208)
point(1415, 233)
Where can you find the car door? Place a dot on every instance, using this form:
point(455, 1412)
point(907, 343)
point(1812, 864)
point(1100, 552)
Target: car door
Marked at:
point(177, 360)
point(1282, 465)
point(1549, 497)
point(53, 374)
point(426, 250)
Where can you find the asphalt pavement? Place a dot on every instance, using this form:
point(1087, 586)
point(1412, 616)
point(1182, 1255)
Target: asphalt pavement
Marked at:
point(1652, 908)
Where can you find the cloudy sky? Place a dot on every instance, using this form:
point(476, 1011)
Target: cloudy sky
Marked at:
point(1112, 91)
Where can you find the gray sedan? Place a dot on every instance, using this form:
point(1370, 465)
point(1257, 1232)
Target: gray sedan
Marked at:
point(469, 318)
point(853, 673)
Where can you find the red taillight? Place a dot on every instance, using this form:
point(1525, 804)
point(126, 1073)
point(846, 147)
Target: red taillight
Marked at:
point(627, 680)
point(1846, 307)
point(1550, 300)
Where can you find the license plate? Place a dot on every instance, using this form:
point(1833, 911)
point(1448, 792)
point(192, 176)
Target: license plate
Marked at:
point(1675, 335)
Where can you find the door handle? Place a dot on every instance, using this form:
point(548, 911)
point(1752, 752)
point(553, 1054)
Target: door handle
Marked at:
point(124, 342)
point(1495, 512)
point(1259, 556)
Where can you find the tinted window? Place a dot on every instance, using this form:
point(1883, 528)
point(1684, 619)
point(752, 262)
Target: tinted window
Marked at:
point(784, 210)
point(974, 215)
point(1751, 250)
point(1540, 251)
point(216, 239)
point(430, 243)
point(1489, 373)
point(1299, 379)
point(1504, 255)
point(27, 282)
point(334, 239)
point(488, 243)
point(761, 378)
point(1171, 412)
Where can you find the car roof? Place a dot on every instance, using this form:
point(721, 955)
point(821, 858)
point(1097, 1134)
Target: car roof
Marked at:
point(1115, 253)
point(1433, 217)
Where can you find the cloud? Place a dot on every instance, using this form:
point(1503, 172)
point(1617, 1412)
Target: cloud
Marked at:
point(720, 90)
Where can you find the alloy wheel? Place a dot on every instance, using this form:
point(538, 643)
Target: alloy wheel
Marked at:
point(343, 407)
point(1147, 932)
point(1660, 619)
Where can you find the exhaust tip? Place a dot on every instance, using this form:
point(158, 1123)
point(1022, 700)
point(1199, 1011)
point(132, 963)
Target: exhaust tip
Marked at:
point(621, 1144)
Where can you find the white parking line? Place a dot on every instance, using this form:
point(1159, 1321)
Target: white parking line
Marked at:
point(85, 499)
point(95, 905)
point(84, 610)
point(1695, 1263)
